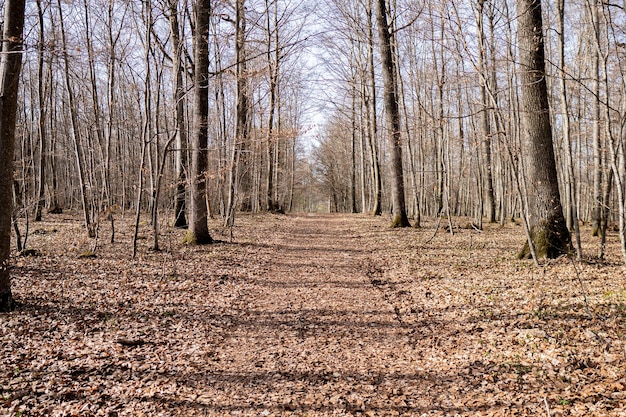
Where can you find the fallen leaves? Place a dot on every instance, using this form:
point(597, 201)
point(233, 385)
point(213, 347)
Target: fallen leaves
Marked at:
point(311, 315)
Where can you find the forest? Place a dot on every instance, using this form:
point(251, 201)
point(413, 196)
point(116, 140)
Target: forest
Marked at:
point(296, 207)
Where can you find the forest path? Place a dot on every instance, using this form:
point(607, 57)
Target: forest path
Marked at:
point(316, 315)
point(317, 334)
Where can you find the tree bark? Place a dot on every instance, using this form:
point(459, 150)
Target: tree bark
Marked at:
point(400, 218)
point(198, 227)
point(371, 115)
point(596, 212)
point(180, 218)
point(75, 130)
point(239, 178)
point(548, 230)
point(41, 125)
point(273, 61)
point(570, 187)
point(490, 203)
point(10, 67)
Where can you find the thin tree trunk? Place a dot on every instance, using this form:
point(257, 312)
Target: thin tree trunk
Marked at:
point(111, 106)
point(97, 113)
point(75, 131)
point(570, 185)
point(41, 181)
point(180, 218)
point(371, 114)
point(596, 212)
point(409, 140)
point(142, 165)
point(239, 184)
point(353, 208)
point(273, 59)
point(605, 213)
point(489, 199)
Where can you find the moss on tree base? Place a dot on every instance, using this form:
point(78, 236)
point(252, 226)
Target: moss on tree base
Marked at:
point(547, 243)
point(400, 221)
point(192, 239)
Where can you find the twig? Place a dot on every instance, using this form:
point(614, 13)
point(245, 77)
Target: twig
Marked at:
point(436, 229)
point(131, 342)
point(582, 287)
point(545, 402)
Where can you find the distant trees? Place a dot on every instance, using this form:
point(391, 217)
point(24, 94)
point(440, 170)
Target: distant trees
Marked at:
point(114, 95)
point(92, 101)
point(464, 110)
point(10, 67)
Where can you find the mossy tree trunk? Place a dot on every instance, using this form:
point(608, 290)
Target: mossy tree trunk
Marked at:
point(548, 229)
point(400, 218)
point(10, 66)
point(198, 228)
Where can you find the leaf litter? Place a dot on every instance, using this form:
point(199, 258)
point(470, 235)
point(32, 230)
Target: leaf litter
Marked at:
point(316, 315)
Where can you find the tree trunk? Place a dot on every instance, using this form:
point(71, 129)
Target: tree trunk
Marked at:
point(371, 116)
point(400, 218)
point(570, 186)
point(180, 218)
point(41, 127)
point(353, 167)
point(596, 211)
point(198, 227)
point(10, 66)
point(489, 200)
point(75, 130)
point(242, 127)
point(239, 180)
point(548, 230)
point(105, 199)
point(273, 60)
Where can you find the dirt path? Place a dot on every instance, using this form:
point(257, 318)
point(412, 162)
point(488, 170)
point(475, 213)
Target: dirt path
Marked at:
point(317, 335)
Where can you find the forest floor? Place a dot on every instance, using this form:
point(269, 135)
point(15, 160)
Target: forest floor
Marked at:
point(316, 315)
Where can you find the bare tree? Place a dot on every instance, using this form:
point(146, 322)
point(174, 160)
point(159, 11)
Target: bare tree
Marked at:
point(273, 62)
point(370, 108)
point(485, 118)
point(41, 125)
point(10, 67)
point(198, 227)
point(570, 180)
point(400, 218)
point(549, 234)
point(239, 178)
point(596, 213)
point(75, 130)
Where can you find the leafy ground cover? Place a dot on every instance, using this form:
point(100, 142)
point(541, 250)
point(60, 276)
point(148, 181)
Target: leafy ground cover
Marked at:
point(314, 315)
